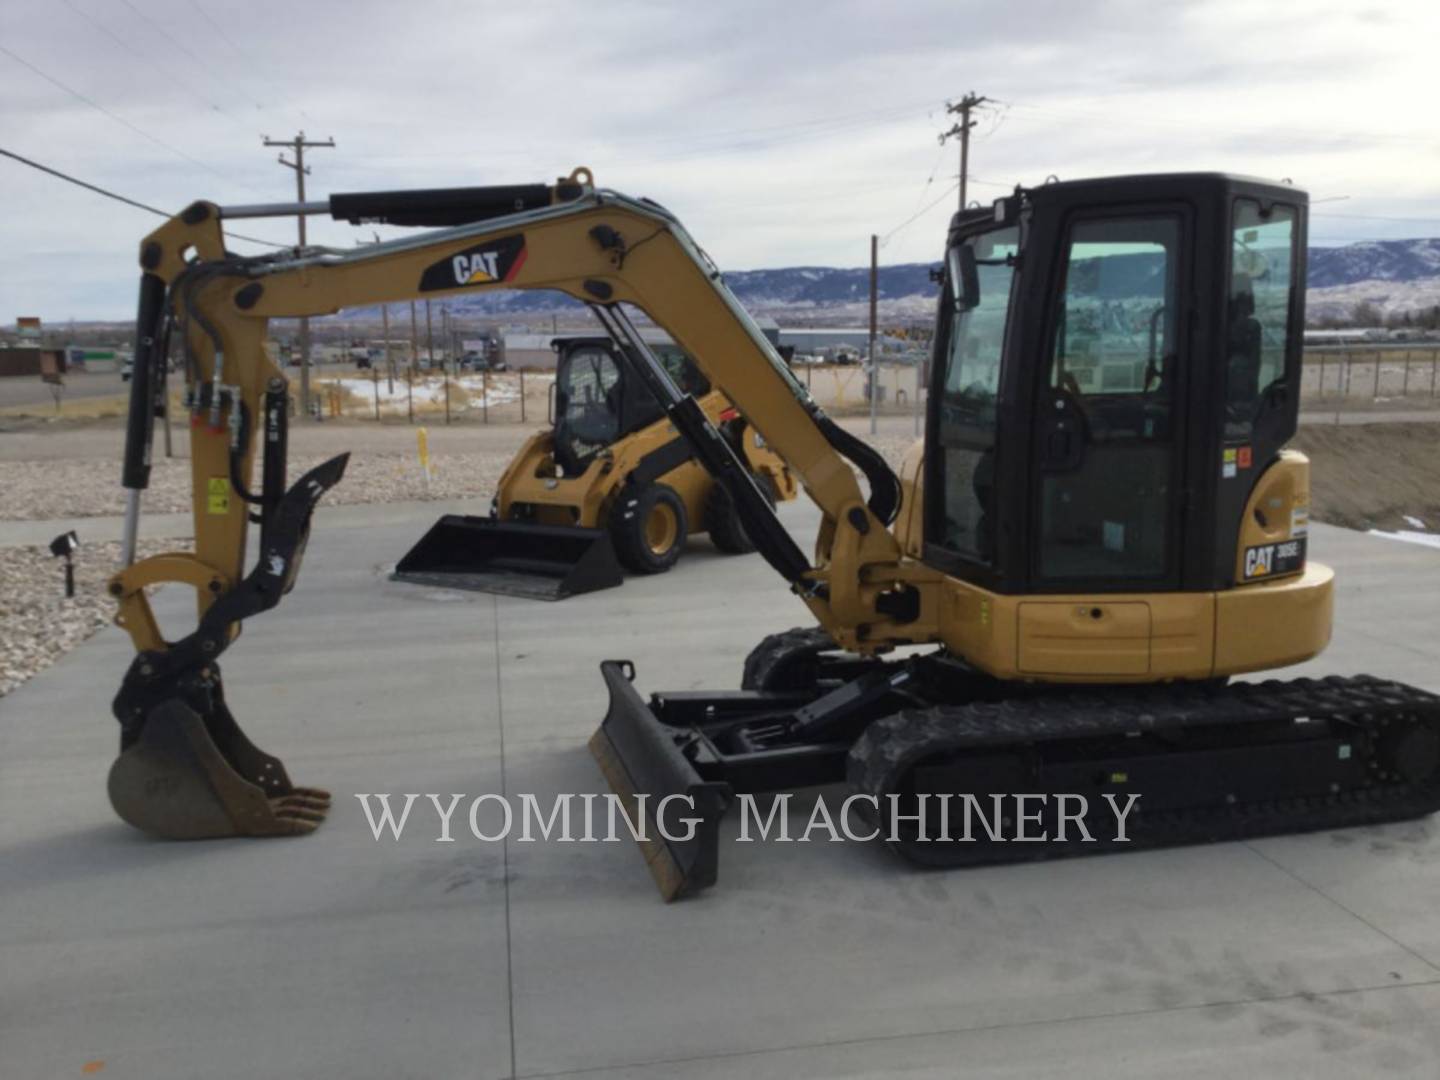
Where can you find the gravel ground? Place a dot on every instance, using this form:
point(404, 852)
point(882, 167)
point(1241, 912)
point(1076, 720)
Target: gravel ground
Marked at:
point(41, 490)
point(78, 487)
point(38, 625)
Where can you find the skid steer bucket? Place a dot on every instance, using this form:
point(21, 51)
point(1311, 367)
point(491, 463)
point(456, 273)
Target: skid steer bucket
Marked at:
point(673, 813)
point(543, 562)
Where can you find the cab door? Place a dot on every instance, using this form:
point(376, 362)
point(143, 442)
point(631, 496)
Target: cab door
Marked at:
point(1109, 431)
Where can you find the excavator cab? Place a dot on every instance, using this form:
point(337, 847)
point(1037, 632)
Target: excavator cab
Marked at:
point(1116, 367)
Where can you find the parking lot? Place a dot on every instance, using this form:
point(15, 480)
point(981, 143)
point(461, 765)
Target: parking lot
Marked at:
point(337, 955)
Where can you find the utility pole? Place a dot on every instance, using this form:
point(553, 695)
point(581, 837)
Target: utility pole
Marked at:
point(429, 338)
point(298, 146)
point(385, 329)
point(414, 359)
point(962, 129)
point(389, 359)
point(874, 359)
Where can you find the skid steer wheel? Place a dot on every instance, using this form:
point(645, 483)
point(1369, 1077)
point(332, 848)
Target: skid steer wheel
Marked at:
point(722, 521)
point(648, 527)
point(787, 661)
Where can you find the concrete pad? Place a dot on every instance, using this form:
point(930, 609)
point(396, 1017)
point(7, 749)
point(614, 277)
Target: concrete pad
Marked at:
point(808, 944)
point(1365, 1033)
point(342, 955)
point(327, 955)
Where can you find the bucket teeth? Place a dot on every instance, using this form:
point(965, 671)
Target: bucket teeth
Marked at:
point(296, 814)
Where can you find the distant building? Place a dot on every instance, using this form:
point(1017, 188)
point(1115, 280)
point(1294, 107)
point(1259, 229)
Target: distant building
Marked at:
point(1353, 335)
point(31, 361)
point(530, 350)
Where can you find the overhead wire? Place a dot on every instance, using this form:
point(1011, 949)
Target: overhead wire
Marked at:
point(1289, 131)
point(133, 51)
point(258, 70)
point(885, 239)
point(120, 198)
point(92, 103)
point(208, 68)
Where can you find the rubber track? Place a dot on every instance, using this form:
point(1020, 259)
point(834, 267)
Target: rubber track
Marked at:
point(890, 748)
point(776, 649)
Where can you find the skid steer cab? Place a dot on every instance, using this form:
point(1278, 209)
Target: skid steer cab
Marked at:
point(610, 486)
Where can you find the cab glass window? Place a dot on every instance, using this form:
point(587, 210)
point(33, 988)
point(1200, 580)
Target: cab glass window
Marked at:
point(682, 370)
point(1262, 258)
point(1116, 322)
point(969, 389)
point(590, 405)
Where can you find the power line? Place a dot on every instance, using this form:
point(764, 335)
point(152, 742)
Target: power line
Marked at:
point(1067, 112)
point(113, 116)
point(1378, 217)
point(261, 68)
point(117, 197)
point(681, 147)
point(93, 21)
point(920, 213)
point(208, 68)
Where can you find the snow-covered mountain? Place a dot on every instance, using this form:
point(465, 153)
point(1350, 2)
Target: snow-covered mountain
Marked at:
point(1374, 260)
point(1398, 274)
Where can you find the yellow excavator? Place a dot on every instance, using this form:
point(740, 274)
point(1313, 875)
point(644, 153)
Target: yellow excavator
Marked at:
point(609, 483)
point(1101, 527)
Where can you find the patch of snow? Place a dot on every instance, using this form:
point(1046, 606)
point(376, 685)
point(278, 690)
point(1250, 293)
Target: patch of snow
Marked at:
point(1413, 522)
point(429, 391)
point(1423, 538)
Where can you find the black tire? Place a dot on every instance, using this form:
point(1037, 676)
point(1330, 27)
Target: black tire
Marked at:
point(786, 661)
point(722, 521)
point(648, 527)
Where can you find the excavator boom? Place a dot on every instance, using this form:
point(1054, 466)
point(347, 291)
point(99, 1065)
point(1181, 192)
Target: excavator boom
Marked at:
point(605, 249)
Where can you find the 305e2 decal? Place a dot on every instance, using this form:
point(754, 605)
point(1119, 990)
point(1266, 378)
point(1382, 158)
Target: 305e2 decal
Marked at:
point(1268, 560)
point(491, 263)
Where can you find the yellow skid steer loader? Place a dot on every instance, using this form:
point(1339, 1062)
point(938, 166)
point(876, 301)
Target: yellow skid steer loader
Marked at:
point(609, 484)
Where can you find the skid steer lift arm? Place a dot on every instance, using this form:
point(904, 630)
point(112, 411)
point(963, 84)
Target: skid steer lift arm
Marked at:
point(185, 768)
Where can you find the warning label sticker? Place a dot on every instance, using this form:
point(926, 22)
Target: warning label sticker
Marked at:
point(217, 495)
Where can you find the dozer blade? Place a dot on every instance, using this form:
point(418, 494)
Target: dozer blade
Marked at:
point(644, 767)
point(542, 562)
point(188, 777)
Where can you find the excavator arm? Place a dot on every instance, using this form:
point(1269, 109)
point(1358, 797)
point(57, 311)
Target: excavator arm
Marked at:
point(610, 251)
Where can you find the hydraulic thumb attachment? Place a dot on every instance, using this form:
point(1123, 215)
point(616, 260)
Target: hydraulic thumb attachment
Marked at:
point(186, 771)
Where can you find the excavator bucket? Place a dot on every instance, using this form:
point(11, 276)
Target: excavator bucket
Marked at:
point(186, 771)
point(673, 813)
point(190, 776)
point(542, 562)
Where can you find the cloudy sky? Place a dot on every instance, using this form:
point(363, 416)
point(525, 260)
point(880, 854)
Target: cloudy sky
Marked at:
point(782, 133)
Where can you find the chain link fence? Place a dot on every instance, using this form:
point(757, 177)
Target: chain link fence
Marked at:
point(483, 397)
point(1338, 377)
point(1358, 376)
